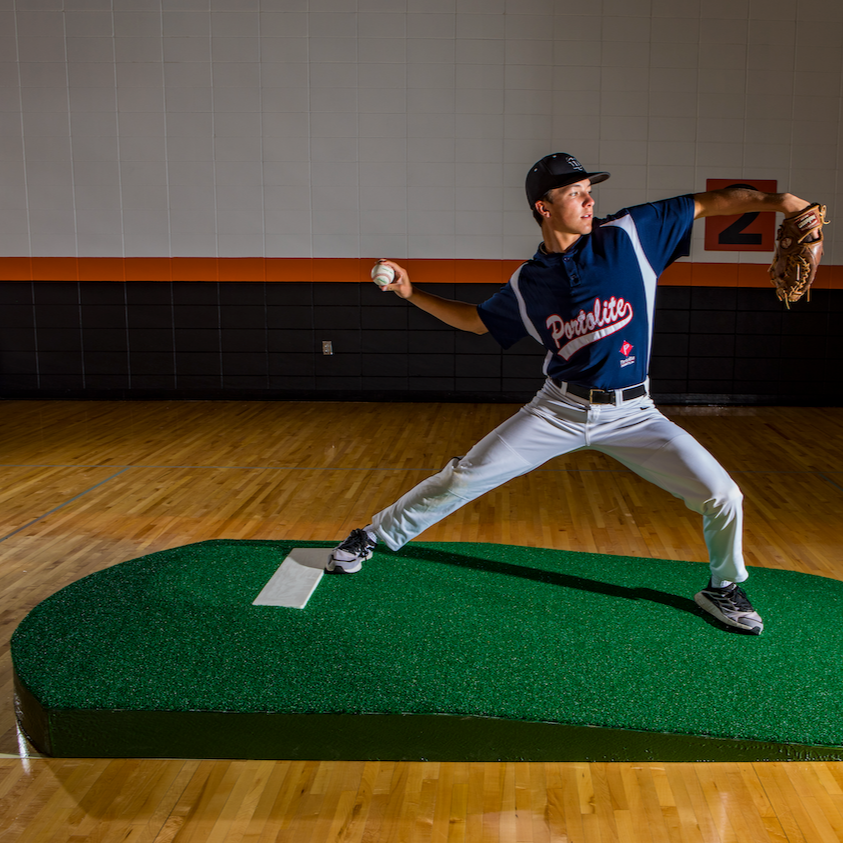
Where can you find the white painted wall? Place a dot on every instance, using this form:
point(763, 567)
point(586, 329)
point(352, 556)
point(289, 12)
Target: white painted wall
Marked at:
point(297, 128)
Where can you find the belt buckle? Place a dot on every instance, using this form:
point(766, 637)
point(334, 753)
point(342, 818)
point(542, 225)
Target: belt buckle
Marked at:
point(591, 398)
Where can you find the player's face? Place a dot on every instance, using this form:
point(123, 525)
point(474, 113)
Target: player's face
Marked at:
point(571, 208)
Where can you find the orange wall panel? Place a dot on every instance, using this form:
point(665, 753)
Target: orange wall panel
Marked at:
point(354, 270)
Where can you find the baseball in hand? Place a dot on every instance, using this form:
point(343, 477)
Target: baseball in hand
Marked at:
point(382, 274)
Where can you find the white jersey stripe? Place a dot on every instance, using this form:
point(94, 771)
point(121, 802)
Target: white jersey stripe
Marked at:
point(627, 223)
point(522, 307)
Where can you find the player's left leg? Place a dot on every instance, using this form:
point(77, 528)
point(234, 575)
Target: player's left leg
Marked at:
point(662, 452)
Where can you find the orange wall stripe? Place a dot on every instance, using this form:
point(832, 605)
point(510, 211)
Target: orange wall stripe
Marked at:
point(354, 270)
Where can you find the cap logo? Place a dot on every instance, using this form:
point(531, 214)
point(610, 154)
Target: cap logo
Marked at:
point(557, 170)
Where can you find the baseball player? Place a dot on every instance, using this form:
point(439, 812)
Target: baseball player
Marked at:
point(587, 296)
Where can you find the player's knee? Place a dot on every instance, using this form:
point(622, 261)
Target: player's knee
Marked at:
point(727, 497)
point(468, 480)
point(462, 476)
point(733, 496)
point(452, 479)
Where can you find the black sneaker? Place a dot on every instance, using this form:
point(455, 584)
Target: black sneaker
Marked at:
point(348, 557)
point(730, 606)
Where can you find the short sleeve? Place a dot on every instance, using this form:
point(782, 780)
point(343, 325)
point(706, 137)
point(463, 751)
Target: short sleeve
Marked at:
point(664, 229)
point(501, 315)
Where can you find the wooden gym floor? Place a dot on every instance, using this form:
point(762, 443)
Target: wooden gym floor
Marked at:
point(88, 485)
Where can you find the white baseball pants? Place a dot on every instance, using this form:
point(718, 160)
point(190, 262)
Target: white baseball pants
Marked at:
point(553, 423)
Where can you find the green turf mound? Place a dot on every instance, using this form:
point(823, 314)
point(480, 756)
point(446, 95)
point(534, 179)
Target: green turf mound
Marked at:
point(439, 651)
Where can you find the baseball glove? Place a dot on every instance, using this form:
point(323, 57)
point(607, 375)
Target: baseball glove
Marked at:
point(799, 248)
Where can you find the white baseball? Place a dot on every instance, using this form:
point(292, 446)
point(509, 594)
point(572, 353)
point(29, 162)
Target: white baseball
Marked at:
point(382, 274)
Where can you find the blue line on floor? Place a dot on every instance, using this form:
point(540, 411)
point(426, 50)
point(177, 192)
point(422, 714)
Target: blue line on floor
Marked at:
point(387, 468)
point(56, 508)
point(829, 480)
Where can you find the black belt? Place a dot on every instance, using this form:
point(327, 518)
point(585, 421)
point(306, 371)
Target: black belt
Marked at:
point(601, 396)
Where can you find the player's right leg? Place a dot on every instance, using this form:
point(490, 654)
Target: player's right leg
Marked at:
point(523, 442)
point(349, 556)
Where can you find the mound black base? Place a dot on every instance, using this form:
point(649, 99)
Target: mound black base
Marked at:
point(364, 737)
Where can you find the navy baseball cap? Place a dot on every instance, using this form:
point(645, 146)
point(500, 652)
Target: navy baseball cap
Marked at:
point(556, 170)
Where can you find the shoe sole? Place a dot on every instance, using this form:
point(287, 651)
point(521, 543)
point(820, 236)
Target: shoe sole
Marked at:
point(713, 609)
point(336, 566)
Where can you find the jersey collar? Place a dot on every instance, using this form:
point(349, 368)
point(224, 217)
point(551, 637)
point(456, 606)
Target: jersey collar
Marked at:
point(543, 256)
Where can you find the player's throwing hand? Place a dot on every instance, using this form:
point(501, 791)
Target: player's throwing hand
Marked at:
point(391, 277)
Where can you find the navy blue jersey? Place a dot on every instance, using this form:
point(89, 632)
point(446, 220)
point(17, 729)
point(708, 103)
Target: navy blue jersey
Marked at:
point(592, 306)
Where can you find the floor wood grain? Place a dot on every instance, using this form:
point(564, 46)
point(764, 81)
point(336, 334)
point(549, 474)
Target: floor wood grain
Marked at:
point(88, 485)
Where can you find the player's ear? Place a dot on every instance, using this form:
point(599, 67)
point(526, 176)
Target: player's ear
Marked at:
point(542, 208)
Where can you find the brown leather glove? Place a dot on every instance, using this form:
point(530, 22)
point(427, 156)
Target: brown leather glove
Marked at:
point(799, 248)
